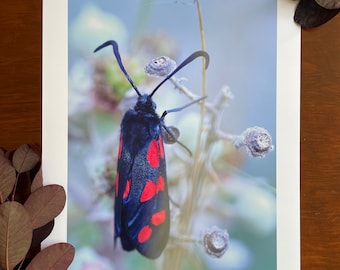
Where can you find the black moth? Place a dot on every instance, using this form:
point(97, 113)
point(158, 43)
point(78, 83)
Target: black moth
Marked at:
point(141, 215)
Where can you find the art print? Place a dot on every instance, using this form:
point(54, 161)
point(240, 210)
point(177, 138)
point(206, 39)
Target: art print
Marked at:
point(216, 160)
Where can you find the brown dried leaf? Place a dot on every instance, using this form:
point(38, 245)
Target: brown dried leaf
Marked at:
point(9, 154)
point(37, 181)
point(7, 178)
point(38, 236)
point(25, 158)
point(45, 204)
point(329, 4)
point(16, 234)
point(55, 257)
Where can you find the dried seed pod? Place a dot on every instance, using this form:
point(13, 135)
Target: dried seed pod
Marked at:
point(170, 138)
point(160, 66)
point(216, 242)
point(258, 141)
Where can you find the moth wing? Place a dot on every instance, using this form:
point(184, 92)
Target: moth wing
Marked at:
point(146, 206)
point(124, 172)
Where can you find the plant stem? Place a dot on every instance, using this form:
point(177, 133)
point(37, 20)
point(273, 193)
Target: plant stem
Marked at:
point(197, 175)
point(204, 77)
point(202, 38)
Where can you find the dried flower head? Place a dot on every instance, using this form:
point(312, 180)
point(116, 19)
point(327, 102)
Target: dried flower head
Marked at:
point(160, 66)
point(257, 140)
point(171, 138)
point(216, 242)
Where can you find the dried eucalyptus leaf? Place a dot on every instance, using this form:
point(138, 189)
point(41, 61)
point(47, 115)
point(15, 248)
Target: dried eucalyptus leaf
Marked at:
point(39, 235)
point(329, 4)
point(9, 154)
point(309, 14)
point(55, 257)
point(45, 204)
point(7, 177)
point(25, 158)
point(16, 234)
point(37, 181)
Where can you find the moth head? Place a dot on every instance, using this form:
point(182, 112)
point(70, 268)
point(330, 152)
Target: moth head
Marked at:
point(145, 104)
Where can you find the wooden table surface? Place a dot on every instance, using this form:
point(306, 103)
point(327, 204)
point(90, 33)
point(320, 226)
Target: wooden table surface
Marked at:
point(320, 147)
point(20, 119)
point(20, 73)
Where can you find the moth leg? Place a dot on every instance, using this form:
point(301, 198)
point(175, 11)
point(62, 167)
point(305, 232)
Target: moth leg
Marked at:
point(169, 131)
point(181, 108)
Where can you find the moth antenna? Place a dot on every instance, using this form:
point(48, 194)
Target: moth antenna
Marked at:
point(114, 45)
point(188, 60)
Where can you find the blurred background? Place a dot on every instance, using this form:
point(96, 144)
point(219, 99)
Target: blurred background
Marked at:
point(240, 38)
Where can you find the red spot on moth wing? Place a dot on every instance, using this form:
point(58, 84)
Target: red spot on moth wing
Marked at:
point(153, 154)
point(160, 184)
point(158, 218)
point(151, 189)
point(148, 192)
point(127, 189)
point(161, 147)
point(144, 234)
point(120, 146)
point(117, 181)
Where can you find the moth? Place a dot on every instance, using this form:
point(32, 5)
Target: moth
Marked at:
point(141, 217)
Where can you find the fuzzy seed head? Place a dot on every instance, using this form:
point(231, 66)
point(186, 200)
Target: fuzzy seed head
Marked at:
point(216, 242)
point(258, 141)
point(160, 66)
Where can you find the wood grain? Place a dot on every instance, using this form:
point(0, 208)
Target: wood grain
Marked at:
point(20, 69)
point(320, 147)
point(20, 119)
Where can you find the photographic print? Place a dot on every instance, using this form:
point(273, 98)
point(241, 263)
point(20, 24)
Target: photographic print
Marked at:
point(172, 134)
